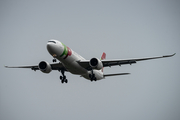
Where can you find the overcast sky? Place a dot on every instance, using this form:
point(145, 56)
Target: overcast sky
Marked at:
point(122, 29)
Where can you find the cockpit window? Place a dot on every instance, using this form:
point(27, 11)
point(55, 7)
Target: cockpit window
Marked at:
point(52, 41)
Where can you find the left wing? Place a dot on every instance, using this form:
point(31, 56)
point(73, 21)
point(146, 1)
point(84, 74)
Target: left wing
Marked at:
point(130, 61)
point(56, 66)
point(109, 63)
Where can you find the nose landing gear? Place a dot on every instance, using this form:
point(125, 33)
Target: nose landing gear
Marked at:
point(54, 60)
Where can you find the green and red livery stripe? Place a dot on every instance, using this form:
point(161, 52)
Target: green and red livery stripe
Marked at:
point(67, 52)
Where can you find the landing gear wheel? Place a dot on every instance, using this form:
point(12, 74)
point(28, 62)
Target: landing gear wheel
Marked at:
point(66, 81)
point(62, 81)
point(54, 60)
point(92, 77)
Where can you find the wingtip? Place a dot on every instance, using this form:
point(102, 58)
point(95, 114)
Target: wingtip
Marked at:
point(169, 55)
point(126, 73)
point(7, 66)
point(172, 55)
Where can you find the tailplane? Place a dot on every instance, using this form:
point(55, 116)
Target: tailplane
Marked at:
point(107, 75)
point(103, 57)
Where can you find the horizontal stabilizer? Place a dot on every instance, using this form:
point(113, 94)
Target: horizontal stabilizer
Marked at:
point(107, 75)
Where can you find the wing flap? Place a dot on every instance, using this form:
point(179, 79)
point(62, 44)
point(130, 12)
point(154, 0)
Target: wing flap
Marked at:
point(58, 66)
point(85, 64)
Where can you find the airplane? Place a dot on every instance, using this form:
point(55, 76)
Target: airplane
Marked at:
point(70, 61)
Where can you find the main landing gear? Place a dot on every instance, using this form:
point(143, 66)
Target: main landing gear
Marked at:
point(92, 76)
point(63, 77)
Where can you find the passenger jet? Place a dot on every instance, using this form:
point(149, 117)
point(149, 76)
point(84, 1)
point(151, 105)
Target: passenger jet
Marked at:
point(72, 62)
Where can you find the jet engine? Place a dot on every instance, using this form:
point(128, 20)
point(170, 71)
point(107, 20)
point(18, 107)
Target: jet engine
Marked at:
point(45, 67)
point(95, 63)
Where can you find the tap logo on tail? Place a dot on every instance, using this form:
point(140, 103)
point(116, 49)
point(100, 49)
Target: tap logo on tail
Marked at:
point(103, 56)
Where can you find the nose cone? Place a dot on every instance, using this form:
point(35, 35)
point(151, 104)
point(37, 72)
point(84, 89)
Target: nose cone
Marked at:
point(50, 46)
point(55, 48)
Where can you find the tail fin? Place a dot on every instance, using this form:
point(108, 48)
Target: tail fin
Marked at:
point(103, 57)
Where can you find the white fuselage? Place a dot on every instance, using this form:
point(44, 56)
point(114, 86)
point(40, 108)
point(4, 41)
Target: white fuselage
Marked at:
point(69, 59)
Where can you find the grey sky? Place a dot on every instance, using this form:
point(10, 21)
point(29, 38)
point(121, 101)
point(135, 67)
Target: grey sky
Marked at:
point(122, 29)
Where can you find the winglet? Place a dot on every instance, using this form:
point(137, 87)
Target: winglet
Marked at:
point(9, 67)
point(169, 55)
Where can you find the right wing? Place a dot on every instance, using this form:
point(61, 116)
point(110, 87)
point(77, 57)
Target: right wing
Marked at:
point(56, 66)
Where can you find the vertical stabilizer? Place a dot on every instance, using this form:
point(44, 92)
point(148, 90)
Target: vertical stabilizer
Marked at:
point(103, 57)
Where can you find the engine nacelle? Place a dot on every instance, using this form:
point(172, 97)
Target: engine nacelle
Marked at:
point(45, 67)
point(95, 63)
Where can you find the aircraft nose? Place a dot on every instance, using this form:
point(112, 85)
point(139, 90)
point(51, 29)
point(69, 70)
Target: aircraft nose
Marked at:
point(50, 46)
point(55, 48)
